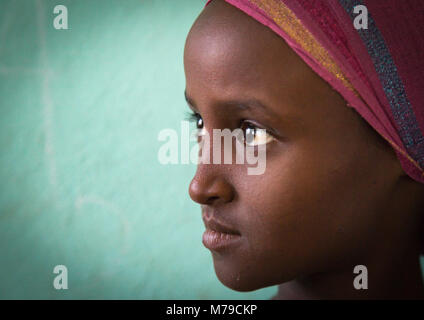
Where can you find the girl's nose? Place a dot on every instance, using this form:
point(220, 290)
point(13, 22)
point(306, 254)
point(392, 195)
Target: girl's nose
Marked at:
point(208, 188)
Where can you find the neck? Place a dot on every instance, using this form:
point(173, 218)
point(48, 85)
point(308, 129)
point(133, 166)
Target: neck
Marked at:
point(391, 278)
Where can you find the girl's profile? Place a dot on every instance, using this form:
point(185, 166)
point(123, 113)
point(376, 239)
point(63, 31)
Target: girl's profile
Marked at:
point(343, 112)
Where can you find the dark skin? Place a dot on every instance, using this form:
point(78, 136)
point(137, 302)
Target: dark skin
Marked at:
point(333, 194)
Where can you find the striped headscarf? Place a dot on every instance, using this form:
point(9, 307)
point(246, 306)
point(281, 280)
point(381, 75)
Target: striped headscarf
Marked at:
point(378, 66)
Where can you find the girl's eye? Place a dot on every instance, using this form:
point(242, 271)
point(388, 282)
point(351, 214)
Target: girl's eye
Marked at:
point(255, 136)
point(196, 118)
point(199, 121)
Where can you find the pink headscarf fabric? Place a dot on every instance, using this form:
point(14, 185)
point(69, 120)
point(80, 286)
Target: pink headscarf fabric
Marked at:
point(379, 70)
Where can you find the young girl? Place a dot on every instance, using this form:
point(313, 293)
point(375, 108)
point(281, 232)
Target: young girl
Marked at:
point(338, 212)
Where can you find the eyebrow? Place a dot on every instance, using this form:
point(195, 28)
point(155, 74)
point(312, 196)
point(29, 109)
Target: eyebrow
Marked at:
point(248, 104)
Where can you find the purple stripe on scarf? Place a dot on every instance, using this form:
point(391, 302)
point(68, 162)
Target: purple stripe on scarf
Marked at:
point(403, 113)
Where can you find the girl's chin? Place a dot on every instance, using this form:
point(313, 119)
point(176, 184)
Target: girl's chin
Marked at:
point(240, 279)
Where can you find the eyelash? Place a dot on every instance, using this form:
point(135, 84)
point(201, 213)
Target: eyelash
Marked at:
point(192, 116)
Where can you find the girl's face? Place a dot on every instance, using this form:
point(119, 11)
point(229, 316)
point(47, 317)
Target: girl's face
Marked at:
point(321, 203)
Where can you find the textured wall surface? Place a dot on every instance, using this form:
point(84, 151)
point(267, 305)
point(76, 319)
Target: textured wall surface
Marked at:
point(81, 186)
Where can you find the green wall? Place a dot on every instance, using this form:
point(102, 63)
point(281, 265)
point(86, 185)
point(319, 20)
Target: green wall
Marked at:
point(81, 186)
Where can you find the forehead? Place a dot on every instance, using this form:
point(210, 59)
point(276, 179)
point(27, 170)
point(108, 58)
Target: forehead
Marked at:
point(226, 48)
point(229, 55)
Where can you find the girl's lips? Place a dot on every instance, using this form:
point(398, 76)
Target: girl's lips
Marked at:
point(215, 240)
point(215, 225)
point(218, 236)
